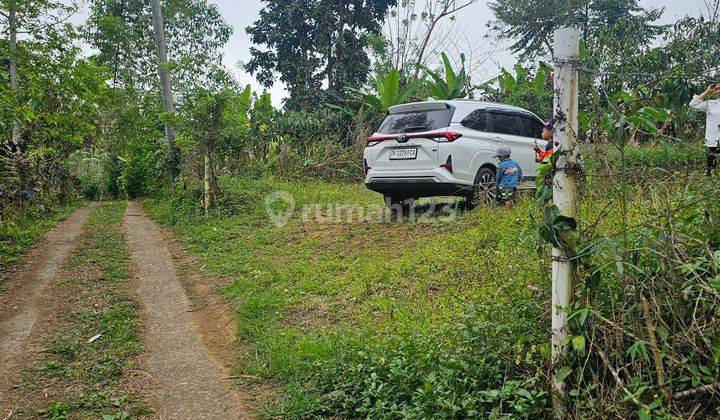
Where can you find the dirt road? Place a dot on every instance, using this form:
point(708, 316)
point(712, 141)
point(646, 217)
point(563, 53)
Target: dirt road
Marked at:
point(18, 303)
point(189, 382)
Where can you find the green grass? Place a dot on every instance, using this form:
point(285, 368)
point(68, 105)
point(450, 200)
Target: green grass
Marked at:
point(18, 231)
point(661, 155)
point(385, 319)
point(308, 292)
point(83, 379)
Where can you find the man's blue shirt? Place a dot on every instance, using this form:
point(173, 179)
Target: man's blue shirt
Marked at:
point(509, 174)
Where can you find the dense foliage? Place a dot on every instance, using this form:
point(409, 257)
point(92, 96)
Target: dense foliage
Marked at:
point(531, 27)
point(309, 42)
point(644, 335)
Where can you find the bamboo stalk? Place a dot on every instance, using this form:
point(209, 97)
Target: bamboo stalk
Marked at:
point(657, 359)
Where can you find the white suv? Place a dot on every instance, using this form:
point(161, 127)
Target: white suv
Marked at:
point(436, 148)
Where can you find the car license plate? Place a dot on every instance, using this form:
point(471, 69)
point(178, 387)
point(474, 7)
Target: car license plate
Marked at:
point(404, 153)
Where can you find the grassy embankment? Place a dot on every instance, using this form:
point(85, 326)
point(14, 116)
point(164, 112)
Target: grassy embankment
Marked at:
point(75, 378)
point(404, 307)
point(18, 231)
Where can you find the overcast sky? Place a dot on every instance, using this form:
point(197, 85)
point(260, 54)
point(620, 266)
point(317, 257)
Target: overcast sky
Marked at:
point(472, 21)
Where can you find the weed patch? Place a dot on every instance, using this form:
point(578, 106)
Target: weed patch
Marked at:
point(17, 232)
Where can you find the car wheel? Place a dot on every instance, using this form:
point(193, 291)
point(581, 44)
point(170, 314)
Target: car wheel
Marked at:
point(395, 203)
point(485, 187)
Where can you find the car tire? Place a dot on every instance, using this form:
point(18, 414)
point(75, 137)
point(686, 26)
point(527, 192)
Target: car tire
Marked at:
point(395, 203)
point(484, 188)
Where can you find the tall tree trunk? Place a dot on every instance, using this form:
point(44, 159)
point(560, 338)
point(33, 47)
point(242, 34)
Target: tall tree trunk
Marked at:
point(208, 178)
point(116, 61)
point(165, 85)
point(338, 79)
point(13, 70)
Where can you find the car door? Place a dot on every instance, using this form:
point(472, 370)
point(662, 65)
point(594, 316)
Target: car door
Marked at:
point(506, 125)
point(531, 129)
point(476, 137)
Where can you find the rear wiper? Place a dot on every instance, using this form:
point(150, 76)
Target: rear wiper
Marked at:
point(415, 128)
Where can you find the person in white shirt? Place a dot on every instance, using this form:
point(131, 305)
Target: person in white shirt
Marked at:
point(711, 108)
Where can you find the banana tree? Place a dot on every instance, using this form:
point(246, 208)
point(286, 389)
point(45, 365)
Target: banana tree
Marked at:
point(387, 92)
point(451, 84)
point(523, 89)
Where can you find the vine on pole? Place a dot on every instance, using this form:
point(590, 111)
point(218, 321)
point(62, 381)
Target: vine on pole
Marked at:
point(560, 203)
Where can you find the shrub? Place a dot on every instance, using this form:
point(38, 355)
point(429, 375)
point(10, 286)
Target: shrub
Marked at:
point(139, 175)
point(478, 368)
point(305, 144)
point(651, 312)
point(91, 190)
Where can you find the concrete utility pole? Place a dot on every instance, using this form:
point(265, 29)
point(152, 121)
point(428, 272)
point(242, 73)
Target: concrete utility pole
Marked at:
point(566, 54)
point(13, 70)
point(165, 85)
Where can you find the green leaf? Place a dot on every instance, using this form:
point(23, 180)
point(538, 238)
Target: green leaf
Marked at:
point(507, 81)
point(563, 223)
point(523, 393)
point(543, 169)
point(563, 373)
point(583, 50)
point(450, 76)
point(578, 344)
point(246, 97)
point(550, 213)
point(408, 90)
point(638, 349)
point(620, 267)
point(392, 88)
point(543, 194)
point(547, 234)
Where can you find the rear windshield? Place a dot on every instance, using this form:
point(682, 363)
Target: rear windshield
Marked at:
point(415, 121)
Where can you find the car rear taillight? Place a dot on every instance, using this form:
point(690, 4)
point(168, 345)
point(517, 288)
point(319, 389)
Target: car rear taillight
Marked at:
point(452, 135)
point(447, 135)
point(448, 164)
point(366, 168)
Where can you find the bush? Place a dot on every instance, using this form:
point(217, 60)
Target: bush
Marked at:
point(91, 191)
point(645, 325)
point(139, 175)
point(305, 144)
point(478, 368)
point(23, 227)
point(663, 156)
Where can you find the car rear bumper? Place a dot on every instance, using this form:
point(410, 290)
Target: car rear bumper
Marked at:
point(410, 184)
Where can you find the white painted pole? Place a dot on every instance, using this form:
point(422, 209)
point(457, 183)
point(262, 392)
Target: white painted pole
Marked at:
point(566, 53)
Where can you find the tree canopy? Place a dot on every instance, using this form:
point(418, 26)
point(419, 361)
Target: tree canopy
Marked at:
point(530, 24)
point(318, 47)
point(121, 31)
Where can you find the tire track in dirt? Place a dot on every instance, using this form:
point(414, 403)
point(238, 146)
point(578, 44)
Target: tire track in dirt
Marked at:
point(19, 304)
point(189, 383)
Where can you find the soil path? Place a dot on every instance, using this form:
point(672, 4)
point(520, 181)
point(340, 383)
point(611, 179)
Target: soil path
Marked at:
point(189, 383)
point(20, 298)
